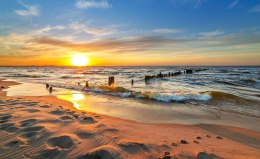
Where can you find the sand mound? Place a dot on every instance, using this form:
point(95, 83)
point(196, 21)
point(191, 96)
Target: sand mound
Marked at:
point(102, 153)
point(64, 142)
point(85, 134)
point(133, 147)
point(110, 130)
point(28, 122)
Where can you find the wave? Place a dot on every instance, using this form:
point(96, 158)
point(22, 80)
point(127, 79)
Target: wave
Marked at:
point(72, 77)
point(158, 96)
point(25, 75)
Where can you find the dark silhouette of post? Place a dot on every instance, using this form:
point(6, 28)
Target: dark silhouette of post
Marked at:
point(86, 84)
point(47, 86)
point(132, 82)
point(111, 80)
point(50, 89)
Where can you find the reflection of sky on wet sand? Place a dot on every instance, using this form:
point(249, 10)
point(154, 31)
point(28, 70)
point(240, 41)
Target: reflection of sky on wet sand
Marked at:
point(74, 98)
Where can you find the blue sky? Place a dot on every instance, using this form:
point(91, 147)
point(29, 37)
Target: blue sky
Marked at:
point(158, 32)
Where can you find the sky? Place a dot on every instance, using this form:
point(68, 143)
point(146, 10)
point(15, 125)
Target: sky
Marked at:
point(130, 32)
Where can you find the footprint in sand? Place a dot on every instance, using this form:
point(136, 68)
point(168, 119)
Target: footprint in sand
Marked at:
point(85, 134)
point(29, 135)
point(63, 142)
point(103, 153)
point(45, 106)
point(57, 112)
point(31, 132)
point(14, 143)
point(4, 118)
point(87, 120)
point(10, 127)
point(31, 110)
point(28, 122)
point(33, 129)
point(204, 155)
point(133, 147)
point(66, 117)
point(46, 154)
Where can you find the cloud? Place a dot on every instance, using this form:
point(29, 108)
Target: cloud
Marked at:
point(255, 9)
point(167, 30)
point(29, 11)
point(102, 4)
point(233, 4)
point(76, 26)
point(194, 3)
point(113, 45)
point(211, 33)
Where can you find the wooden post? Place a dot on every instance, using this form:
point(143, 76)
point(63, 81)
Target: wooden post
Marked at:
point(111, 80)
point(86, 84)
point(50, 89)
point(47, 86)
point(132, 82)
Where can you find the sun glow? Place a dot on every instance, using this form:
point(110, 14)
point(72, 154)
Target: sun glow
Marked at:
point(79, 60)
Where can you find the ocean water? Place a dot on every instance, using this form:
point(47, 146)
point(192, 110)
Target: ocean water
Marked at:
point(231, 89)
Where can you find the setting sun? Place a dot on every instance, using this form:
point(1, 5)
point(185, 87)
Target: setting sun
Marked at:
point(79, 60)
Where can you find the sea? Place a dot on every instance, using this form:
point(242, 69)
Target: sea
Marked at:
point(234, 90)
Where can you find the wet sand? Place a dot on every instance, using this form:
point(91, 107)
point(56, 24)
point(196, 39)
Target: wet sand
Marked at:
point(47, 127)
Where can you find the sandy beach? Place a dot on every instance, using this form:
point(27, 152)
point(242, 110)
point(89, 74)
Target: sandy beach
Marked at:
point(48, 127)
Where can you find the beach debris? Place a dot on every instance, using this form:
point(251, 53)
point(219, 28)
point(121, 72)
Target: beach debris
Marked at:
point(208, 136)
point(196, 142)
point(184, 142)
point(75, 115)
point(111, 80)
point(198, 137)
point(167, 153)
point(219, 137)
point(2, 87)
point(174, 144)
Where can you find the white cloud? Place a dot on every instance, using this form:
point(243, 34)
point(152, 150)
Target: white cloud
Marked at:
point(211, 34)
point(93, 31)
point(167, 30)
point(255, 9)
point(29, 11)
point(103, 4)
point(233, 4)
point(194, 3)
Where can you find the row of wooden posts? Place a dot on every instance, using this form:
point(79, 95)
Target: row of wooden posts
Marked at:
point(171, 74)
point(111, 79)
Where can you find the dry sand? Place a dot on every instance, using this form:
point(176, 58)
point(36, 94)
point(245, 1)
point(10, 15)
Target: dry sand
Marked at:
point(47, 127)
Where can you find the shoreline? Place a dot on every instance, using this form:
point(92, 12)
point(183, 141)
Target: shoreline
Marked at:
point(110, 136)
